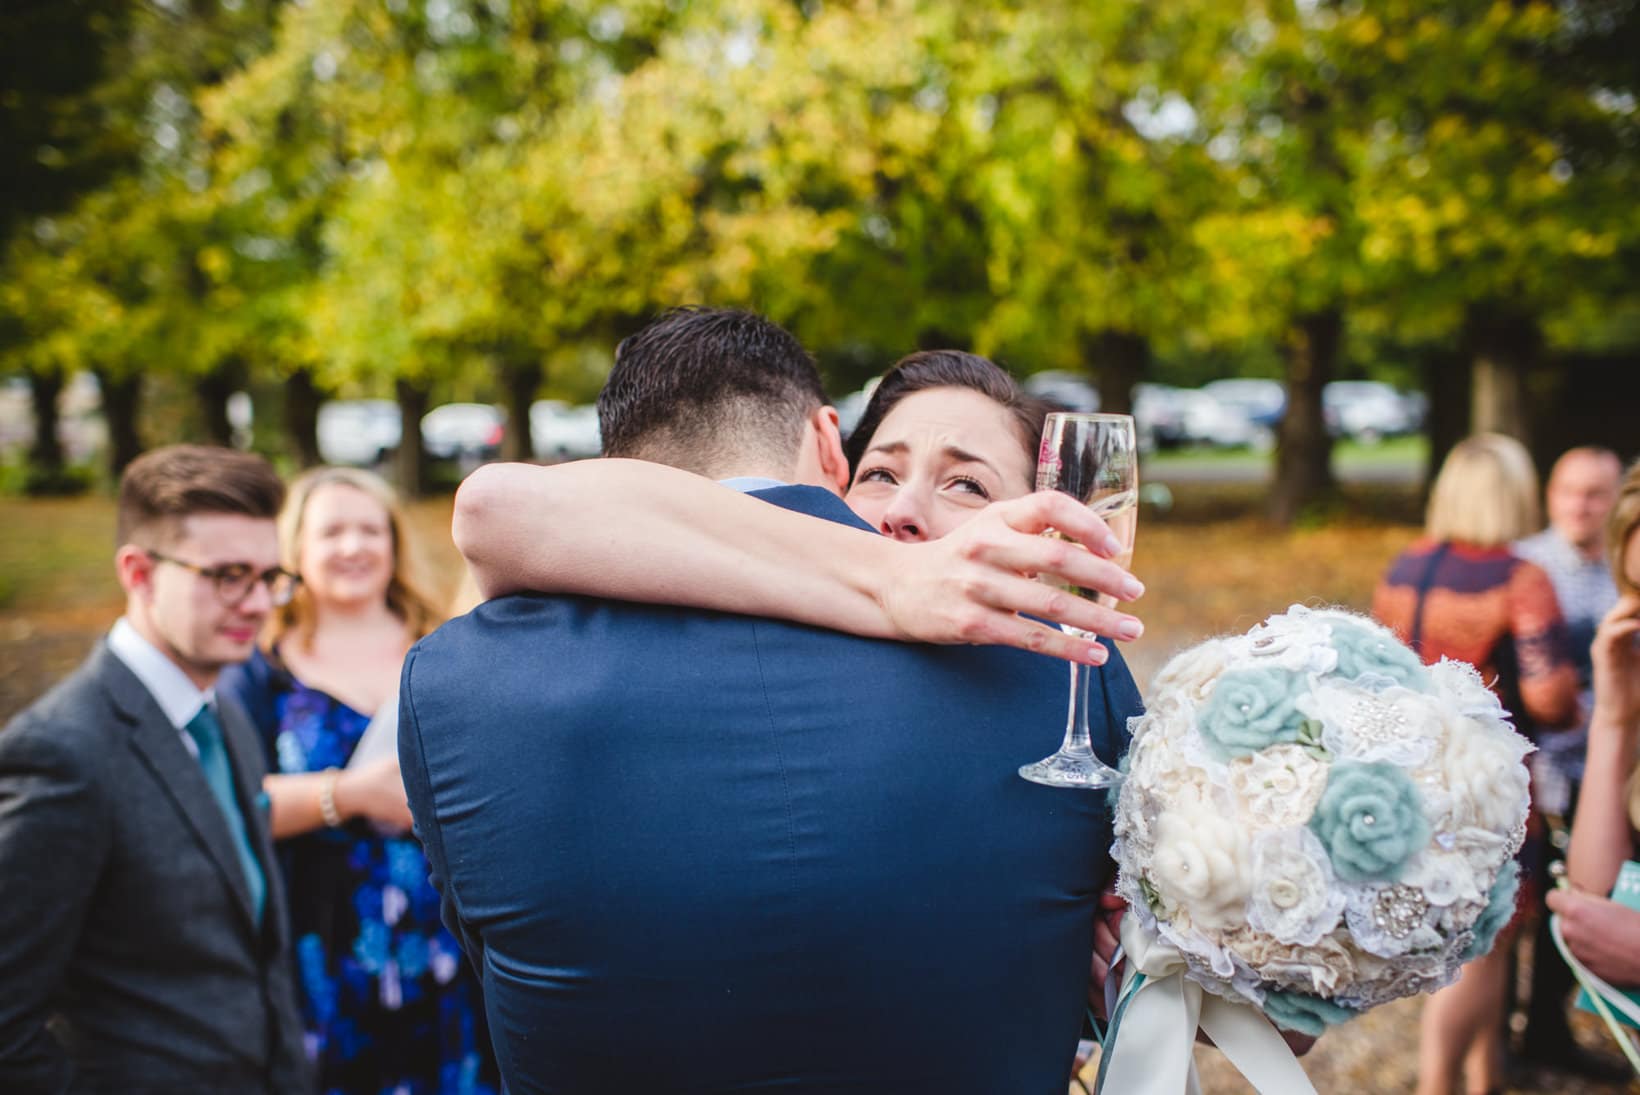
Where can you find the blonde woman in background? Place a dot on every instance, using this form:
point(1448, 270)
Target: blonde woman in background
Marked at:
point(1459, 592)
point(389, 1001)
point(1604, 935)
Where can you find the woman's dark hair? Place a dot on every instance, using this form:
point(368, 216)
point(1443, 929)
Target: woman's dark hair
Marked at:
point(927, 369)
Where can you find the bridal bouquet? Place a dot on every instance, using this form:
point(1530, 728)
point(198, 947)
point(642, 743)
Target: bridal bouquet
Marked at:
point(1312, 823)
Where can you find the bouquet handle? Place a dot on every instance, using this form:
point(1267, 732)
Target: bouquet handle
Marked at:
point(1150, 1047)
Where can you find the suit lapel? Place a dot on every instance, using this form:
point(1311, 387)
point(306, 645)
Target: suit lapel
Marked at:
point(159, 746)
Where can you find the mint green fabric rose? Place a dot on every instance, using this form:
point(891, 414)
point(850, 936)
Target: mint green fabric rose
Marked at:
point(1362, 651)
point(1500, 906)
point(1251, 709)
point(1369, 821)
point(1305, 1013)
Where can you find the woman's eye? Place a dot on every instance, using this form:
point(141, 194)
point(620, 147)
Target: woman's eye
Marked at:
point(876, 475)
point(970, 486)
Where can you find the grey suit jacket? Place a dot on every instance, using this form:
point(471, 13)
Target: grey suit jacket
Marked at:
point(130, 959)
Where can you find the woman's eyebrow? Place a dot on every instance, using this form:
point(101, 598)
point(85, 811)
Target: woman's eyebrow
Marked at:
point(963, 456)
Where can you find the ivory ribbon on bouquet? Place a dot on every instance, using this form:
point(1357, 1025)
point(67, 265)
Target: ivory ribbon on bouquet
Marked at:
point(1150, 1049)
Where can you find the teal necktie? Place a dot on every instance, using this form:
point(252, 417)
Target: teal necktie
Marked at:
point(213, 757)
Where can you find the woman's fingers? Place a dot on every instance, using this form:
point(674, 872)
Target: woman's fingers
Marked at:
point(1056, 510)
point(1007, 549)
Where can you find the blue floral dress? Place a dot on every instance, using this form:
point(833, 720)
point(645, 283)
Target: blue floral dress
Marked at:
point(390, 1002)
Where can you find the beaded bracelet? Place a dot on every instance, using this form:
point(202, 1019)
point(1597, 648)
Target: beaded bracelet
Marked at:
point(327, 798)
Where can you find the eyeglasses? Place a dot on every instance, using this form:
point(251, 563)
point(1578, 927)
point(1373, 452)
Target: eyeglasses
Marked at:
point(234, 581)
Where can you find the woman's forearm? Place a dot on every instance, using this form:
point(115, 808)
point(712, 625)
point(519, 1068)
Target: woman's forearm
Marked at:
point(644, 532)
point(1600, 832)
point(650, 533)
point(295, 802)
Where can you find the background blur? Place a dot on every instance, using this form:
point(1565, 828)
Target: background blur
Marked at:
point(218, 215)
point(1310, 244)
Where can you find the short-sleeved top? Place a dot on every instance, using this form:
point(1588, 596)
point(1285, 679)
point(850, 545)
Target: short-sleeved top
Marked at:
point(1490, 608)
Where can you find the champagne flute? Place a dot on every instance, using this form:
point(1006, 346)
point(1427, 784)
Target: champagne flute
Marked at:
point(1094, 458)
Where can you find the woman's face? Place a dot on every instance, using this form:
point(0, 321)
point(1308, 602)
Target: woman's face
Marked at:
point(1631, 559)
point(938, 457)
point(346, 546)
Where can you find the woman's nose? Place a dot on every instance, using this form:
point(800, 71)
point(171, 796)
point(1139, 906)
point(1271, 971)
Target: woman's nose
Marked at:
point(905, 519)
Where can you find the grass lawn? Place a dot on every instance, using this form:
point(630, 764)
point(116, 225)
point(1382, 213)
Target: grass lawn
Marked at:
point(1404, 455)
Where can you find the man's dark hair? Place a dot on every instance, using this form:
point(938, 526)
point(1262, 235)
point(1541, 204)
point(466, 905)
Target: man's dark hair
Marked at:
point(706, 389)
point(927, 369)
point(161, 487)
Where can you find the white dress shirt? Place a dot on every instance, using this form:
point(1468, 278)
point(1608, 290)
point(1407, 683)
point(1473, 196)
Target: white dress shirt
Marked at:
point(166, 682)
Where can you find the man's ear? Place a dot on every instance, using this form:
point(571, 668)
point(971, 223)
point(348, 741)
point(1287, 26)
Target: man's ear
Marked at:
point(828, 440)
point(135, 569)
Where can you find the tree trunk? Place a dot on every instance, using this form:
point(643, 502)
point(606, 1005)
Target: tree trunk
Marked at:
point(46, 471)
point(522, 379)
point(1446, 380)
point(410, 462)
point(213, 390)
point(302, 417)
point(1303, 447)
point(1502, 345)
point(1118, 360)
point(121, 396)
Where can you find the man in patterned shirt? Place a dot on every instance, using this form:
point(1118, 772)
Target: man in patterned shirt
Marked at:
point(1582, 490)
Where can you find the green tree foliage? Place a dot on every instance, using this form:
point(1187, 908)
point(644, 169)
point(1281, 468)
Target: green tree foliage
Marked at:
point(475, 198)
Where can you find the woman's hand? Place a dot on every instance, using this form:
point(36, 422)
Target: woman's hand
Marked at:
point(1604, 935)
point(1616, 658)
point(374, 791)
point(973, 585)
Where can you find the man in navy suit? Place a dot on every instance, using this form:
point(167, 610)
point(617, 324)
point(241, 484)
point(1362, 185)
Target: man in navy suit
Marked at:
point(722, 853)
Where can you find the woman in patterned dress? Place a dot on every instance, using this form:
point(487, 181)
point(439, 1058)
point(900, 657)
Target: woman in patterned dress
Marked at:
point(1460, 593)
point(390, 1003)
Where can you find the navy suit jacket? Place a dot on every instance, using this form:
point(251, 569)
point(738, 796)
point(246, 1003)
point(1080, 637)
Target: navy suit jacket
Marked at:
point(709, 853)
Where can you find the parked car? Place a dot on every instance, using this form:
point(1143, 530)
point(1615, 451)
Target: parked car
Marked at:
point(361, 432)
point(1262, 401)
point(1208, 420)
point(559, 431)
point(1367, 410)
point(463, 431)
point(1069, 390)
point(1159, 412)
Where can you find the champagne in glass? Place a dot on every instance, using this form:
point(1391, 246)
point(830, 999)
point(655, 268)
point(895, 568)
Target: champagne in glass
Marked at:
point(1094, 458)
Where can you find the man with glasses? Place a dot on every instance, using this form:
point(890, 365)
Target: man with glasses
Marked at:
point(143, 940)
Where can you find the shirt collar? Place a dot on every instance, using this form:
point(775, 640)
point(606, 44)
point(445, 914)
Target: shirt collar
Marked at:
point(748, 483)
point(166, 682)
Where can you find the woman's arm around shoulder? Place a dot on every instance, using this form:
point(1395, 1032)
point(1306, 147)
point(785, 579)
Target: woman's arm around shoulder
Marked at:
point(645, 532)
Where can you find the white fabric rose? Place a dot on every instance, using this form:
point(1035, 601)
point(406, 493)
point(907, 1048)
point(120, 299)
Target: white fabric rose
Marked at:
point(1193, 673)
point(1297, 640)
point(1461, 685)
point(1278, 787)
point(1396, 725)
point(1445, 877)
point(1486, 781)
point(1295, 897)
point(1200, 866)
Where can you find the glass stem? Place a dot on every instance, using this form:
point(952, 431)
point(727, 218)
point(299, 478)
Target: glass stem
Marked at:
point(1078, 737)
